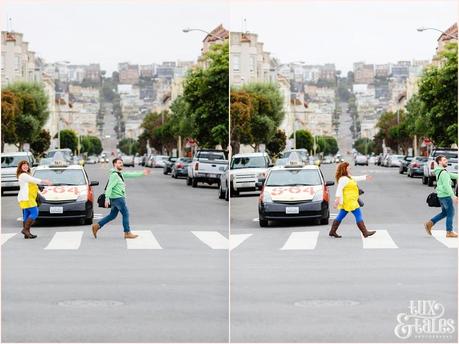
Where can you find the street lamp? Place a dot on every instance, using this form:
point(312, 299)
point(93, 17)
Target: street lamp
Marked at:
point(186, 30)
point(421, 29)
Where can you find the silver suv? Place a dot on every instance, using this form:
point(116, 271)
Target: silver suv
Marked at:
point(429, 175)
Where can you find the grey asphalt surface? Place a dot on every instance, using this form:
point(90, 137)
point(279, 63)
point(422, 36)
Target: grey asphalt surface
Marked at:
point(339, 291)
point(104, 292)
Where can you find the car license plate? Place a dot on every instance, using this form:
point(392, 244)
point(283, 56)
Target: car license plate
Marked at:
point(292, 210)
point(56, 210)
point(210, 175)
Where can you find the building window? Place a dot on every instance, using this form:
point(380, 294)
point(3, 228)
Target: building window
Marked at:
point(252, 63)
point(18, 63)
point(236, 63)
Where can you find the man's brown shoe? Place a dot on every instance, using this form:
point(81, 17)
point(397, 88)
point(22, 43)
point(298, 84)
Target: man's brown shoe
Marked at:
point(428, 226)
point(95, 227)
point(129, 235)
point(451, 234)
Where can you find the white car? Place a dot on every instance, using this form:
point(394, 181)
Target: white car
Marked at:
point(245, 171)
point(10, 163)
point(395, 160)
point(361, 160)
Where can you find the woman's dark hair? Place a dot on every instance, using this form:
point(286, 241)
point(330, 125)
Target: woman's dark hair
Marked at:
point(439, 158)
point(341, 170)
point(115, 160)
point(19, 169)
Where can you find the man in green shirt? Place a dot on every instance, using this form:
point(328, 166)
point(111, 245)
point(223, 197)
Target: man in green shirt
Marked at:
point(115, 195)
point(446, 197)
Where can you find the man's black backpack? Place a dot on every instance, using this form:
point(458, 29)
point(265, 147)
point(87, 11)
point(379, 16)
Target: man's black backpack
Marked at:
point(101, 198)
point(432, 200)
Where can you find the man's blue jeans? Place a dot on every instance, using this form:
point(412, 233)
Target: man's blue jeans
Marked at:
point(447, 210)
point(118, 206)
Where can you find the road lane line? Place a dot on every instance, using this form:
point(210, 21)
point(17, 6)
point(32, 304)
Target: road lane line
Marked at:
point(65, 241)
point(145, 241)
point(217, 241)
point(381, 239)
point(448, 242)
point(301, 241)
point(7, 236)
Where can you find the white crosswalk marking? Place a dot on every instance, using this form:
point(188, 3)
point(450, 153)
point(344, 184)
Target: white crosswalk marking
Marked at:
point(145, 241)
point(216, 241)
point(65, 241)
point(301, 241)
point(381, 239)
point(448, 242)
point(7, 236)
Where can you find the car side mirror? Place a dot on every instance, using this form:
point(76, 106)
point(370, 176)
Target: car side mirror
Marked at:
point(329, 183)
point(93, 183)
point(270, 165)
point(35, 164)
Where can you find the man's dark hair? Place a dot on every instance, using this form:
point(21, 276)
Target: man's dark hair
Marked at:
point(115, 160)
point(438, 158)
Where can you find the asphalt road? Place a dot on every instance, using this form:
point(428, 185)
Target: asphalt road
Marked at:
point(172, 289)
point(341, 290)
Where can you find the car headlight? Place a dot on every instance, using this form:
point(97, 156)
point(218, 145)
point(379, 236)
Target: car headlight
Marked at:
point(267, 197)
point(82, 197)
point(319, 196)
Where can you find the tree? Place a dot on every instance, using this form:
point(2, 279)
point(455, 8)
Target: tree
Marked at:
point(96, 145)
point(277, 143)
point(41, 143)
point(10, 111)
point(304, 139)
point(69, 139)
point(30, 107)
point(327, 145)
point(86, 145)
point(206, 92)
point(128, 146)
point(364, 146)
point(241, 109)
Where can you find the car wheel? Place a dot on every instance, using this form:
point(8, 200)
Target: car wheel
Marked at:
point(221, 194)
point(164, 171)
point(430, 181)
point(263, 222)
point(400, 171)
point(188, 181)
point(324, 221)
point(424, 180)
point(194, 182)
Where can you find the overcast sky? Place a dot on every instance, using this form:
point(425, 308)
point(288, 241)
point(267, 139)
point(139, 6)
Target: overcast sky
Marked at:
point(343, 32)
point(113, 31)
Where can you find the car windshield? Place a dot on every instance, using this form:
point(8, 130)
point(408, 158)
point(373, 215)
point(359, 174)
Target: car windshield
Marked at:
point(249, 162)
point(448, 155)
point(62, 176)
point(12, 161)
point(292, 177)
point(211, 156)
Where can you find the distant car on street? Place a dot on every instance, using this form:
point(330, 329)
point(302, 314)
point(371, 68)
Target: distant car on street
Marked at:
point(404, 165)
point(416, 166)
point(159, 161)
point(394, 160)
point(10, 163)
point(206, 167)
point(168, 165)
point(361, 159)
point(180, 167)
point(223, 189)
point(128, 160)
point(91, 160)
point(245, 171)
point(373, 160)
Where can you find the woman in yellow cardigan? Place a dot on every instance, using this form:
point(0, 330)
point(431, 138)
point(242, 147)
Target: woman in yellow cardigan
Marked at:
point(346, 199)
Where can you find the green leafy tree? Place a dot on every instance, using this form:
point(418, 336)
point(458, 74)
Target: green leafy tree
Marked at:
point(277, 143)
point(304, 139)
point(128, 146)
point(10, 111)
point(41, 143)
point(69, 139)
point(364, 146)
point(96, 145)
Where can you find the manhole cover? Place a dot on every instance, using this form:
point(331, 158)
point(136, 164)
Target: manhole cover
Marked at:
point(90, 303)
point(320, 303)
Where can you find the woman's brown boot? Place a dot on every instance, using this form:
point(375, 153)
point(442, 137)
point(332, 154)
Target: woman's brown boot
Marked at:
point(26, 229)
point(364, 230)
point(334, 228)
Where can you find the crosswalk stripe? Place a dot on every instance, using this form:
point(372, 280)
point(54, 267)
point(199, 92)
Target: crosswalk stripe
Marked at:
point(65, 241)
point(448, 242)
point(381, 239)
point(7, 236)
point(217, 241)
point(301, 241)
point(145, 241)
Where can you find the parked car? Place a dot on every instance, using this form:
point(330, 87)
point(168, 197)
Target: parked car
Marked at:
point(206, 167)
point(10, 163)
point(180, 167)
point(245, 171)
point(70, 197)
point(361, 159)
point(158, 161)
point(66, 153)
point(416, 166)
point(137, 160)
point(301, 152)
point(128, 160)
point(168, 165)
point(294, 192)
point(429, 175)
point(92, 160)
point(394, 160)
point(404, 164)
point(373, 160)
point(385, 160)
point(223, 188)
point(327, 160)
